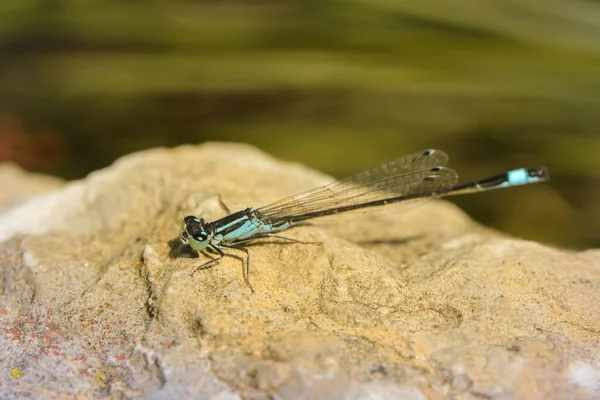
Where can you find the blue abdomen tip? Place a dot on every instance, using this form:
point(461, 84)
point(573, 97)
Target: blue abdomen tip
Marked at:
point(520, 177)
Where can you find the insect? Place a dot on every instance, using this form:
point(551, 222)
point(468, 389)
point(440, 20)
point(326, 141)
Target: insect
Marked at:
point(415, 176)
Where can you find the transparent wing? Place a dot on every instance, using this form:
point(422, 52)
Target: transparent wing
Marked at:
point(416, 175)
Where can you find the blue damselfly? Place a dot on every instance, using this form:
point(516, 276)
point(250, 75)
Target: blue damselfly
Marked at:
point(416, 176)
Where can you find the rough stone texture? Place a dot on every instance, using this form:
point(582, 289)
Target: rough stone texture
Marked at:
point(98, 300)
point(18, 184)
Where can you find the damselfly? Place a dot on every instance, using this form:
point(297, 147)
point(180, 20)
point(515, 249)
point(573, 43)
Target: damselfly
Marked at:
point(416, 176)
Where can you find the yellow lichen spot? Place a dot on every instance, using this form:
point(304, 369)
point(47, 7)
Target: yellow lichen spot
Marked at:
point(16, 373)
point(101, 377)
point(85, 325)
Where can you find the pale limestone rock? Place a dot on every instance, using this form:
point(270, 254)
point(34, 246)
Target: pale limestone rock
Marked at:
point(423, 304)
point(18, 184)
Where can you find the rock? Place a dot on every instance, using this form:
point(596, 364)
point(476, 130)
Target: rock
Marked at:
point(98, 299)
point(18, 184)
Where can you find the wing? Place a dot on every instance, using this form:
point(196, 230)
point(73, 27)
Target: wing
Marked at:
point(417, 175)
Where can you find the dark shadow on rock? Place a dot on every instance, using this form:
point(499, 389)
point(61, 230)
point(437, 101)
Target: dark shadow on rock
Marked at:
point(179, 249)
point(394, 241)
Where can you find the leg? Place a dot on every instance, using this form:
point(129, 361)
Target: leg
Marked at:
point(212, 262)
point(247, 275)
point(272, 235)
point(223, 205)
point(292, 239)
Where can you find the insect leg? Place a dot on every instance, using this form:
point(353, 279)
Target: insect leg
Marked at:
point(247, 275)
point(223, 205)
point(210, 263)
point(272, 235)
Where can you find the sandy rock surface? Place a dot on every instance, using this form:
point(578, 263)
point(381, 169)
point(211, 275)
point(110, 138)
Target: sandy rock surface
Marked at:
point(97, 297)
point(18, 185)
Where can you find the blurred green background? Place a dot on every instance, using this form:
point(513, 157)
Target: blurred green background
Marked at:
point(337, 85)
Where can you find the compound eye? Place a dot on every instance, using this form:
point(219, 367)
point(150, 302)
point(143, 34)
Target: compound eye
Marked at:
point(191, 222)
point(201, 237)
